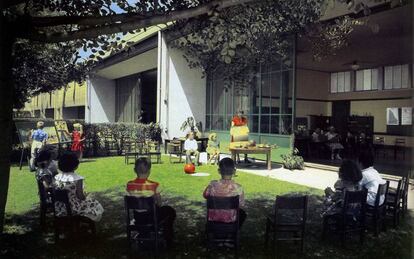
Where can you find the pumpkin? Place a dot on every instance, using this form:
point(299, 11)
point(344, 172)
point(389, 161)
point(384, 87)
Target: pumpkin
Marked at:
point(189, 169)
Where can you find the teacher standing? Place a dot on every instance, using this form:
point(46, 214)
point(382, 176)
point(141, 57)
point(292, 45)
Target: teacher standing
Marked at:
point(39, 138)
point(239, 131)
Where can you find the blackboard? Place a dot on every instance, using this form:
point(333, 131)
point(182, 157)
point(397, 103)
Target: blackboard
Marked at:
point(24, 131)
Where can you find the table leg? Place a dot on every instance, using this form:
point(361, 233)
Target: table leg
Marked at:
point(269, 161)
point(165, 146)
point(21, 159)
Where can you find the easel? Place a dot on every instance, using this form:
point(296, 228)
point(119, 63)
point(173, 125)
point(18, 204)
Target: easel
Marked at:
point(24, 142)
point(22, 157)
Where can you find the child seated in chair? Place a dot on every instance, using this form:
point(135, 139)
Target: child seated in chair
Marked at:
point(191, 148)
point(213, 148)
point(349, 176)
point(225, 187)
point(143, 187)
point(67, 179)
point(46, 168)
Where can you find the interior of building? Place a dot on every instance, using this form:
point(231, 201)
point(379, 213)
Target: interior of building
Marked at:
point(364, 91)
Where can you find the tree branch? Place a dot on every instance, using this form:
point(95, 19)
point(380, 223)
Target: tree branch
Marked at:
point(117, 23)
point(4, 4)
point(51, 21)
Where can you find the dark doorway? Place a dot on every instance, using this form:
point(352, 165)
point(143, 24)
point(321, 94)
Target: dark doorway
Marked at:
point(340, 114)
point(50, 113)
point(149, 96)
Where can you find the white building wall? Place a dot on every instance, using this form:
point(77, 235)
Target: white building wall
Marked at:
point(183, 92)
point(100, 100)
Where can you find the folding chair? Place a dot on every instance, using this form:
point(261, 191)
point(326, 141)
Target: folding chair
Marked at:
point(350, 219)
point(141, 219)
point(46, 203)
point(135, 150)
point(399, 146)
point(175, 148)
point(220, 232)
point(393, 203)
point(378, 212)
point(154, 150)
point(379, 147)
point(289, 218)
point(69, 223)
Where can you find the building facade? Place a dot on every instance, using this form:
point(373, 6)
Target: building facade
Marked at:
point(153, 83)
point(65, 103)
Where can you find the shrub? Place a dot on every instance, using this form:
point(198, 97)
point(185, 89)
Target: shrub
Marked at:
point(293, 160)
point(100, 138)
point(104, 136)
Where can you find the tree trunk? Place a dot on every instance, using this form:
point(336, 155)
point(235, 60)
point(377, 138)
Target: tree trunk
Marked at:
point(6, 113)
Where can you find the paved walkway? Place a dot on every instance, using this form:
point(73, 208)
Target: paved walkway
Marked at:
point(311, 177)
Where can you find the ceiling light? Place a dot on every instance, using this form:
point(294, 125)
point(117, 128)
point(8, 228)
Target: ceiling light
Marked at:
point(355, 66)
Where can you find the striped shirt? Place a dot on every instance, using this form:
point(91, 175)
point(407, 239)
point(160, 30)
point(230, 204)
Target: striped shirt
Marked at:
point(142, 187)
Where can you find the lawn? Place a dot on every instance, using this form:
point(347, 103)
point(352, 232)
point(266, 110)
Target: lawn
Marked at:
point(106, 178)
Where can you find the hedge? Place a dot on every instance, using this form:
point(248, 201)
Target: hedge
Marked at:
point(102, 138)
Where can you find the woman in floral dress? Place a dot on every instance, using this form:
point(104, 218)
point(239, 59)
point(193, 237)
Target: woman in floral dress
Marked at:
point(67, 179)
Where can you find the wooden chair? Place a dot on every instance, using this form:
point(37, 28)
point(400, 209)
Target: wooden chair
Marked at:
point(175, 148)
point(69, 223)
point(154, 150)
point(220, 232)
point(351, 218)
point(377, 213)
point(404, 195)
point(289, 217)
point(399, 146)
point(110, 144)
point(134, 150)
point(144, 223)
point(394, 204)
point(46, 202)
point(379, 146)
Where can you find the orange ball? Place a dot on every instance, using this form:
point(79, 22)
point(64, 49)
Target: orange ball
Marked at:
point(189, 169)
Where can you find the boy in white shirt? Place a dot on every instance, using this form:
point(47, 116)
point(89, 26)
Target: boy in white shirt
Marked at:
point(191, 148)
point(370, 177)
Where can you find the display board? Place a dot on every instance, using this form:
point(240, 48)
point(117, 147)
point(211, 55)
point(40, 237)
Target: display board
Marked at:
point(406, 115)
point(399, 121)
point(25, 128)
point(393, 116)
point(63, 131)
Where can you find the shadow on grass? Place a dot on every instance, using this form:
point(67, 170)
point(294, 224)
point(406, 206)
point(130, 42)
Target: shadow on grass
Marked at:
point(87, 160)
point(25, 239)
point(257, 165)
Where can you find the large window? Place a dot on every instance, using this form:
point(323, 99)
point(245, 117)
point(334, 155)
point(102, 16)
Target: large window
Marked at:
point(369, 79)
point(388, 77)
point(341, 82)
point(397, 77)
point(267, 102)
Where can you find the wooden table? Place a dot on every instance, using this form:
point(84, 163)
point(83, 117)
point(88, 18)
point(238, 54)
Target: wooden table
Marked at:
point(203, 141)
point(253, 150)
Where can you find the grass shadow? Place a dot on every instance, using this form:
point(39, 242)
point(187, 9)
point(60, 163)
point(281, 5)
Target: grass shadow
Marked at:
point(25, 239)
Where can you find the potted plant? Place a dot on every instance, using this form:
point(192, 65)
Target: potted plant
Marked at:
point(293, 161)
point(190, 125)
